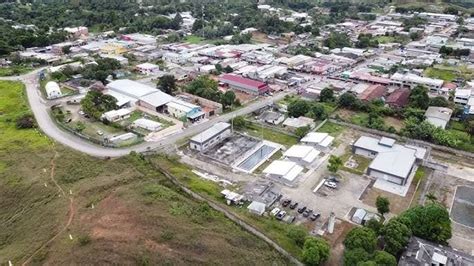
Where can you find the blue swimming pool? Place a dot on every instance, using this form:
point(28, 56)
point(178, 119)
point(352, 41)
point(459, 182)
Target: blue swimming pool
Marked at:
point(256, 157)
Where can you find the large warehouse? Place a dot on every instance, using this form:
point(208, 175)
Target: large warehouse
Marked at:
point(246, 85)
point(392, 162)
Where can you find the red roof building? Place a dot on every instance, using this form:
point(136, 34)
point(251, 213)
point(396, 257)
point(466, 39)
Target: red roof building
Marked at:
point(244, 84)
point(373, 92)
point(398, 98)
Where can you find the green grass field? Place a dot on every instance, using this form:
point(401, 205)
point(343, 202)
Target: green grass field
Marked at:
point(14, 70)
point(124, 211)
point(193, 39)
point(271, 135)
point(443, 74)
point(331, 128)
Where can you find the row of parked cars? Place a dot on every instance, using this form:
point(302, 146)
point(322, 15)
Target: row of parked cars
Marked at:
point(281, 215)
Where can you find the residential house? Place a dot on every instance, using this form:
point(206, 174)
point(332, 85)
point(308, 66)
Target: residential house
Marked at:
point(181, 109)
point(398, 98)
point(438, 116)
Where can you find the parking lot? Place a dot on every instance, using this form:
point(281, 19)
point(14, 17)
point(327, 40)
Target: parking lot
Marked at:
point(326, 200)
point(463, 206)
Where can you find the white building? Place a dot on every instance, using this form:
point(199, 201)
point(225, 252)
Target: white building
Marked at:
point(256, 207)
point(319, 140)
point(147, 124)
point(179, 109)
point(438, 116)
point(412, 80)
point(462, 96)
point(116, 115)
point(127, 92)
point(210, 137)
point(286, 171)
point(392, 162)
point(302, 154)
point(53, 90)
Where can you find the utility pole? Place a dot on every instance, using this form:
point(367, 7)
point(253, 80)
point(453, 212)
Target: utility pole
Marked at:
point(202, 19)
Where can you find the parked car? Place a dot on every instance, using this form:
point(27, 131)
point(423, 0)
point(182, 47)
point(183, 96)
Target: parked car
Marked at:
point(302, 209)
point(100, 133)
point(333, 179)
point(286, 202)
point(330, 184)
point(275, 211)
point(314, 216)
point(307, 212)
point(289, 219)
point(81, 112)
point(280, 215)
point(293, 205)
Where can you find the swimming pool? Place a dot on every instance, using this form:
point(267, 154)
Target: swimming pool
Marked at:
point(255, 158)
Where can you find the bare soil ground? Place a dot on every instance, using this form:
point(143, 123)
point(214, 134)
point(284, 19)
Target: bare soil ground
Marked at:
point(336, 240)
point(397, 203)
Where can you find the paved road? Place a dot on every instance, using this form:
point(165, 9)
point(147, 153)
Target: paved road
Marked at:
point(40, 109)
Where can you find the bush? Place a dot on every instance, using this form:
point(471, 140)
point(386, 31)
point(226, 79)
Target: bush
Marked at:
point(84, 240)
point(361, 237)
point(297, 234)
point(25, 121)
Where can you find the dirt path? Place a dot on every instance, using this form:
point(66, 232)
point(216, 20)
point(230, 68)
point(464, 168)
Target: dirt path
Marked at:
point(71, 211)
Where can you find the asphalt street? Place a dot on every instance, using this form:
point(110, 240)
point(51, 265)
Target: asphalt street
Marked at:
point(40, 109)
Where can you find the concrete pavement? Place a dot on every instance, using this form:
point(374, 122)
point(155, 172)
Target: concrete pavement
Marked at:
point(45, 122)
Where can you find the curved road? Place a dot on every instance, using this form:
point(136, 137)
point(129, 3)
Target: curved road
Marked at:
point(41, 112)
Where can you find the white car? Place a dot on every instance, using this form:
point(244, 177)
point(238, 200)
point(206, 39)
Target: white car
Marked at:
point(81, 112)
point(330, 184)
point(275, 211)
point(100, 133)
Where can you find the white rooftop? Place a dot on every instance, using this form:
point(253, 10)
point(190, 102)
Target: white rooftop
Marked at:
point(130, 88)
point(285, 169)
point(210, 132)
point(396, 160)
point(305, 153)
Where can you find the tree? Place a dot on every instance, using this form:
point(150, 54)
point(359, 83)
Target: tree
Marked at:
point(396, 236)
point(375, 225)
point(430, 222)
point(383, 205)
point(361, 237)
point(419, 98)
point(218, 68)
point(315, 251)
point(66, 49)
point(318, 111)
point(302, 131)
point(239, 122)
point(384, 258)
point(298, 108)
point(327, 95)
point(167, 84)
point(439, 101)
point(355, 256)
point(228, 99)
point(348, 100)
point(297, 234)
point(334, 163)
point(96, 103)
point(228, 69)
point(337, 40)
point(197, 25)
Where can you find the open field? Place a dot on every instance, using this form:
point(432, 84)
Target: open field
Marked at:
point(259, 131)
point(121, 211)
point(14, 70)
